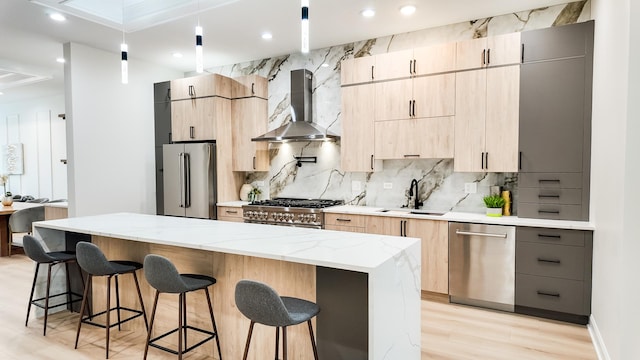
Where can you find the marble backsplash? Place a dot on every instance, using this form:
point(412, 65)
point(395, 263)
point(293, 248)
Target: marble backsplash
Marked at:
point(439, 187)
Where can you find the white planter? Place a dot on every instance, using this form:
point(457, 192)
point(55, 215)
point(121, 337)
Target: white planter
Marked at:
point(244, 192)
point(494, 212)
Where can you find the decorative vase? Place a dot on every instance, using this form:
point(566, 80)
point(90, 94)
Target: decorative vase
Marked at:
point(7, 200)
point(244, 192)
point(494, 212)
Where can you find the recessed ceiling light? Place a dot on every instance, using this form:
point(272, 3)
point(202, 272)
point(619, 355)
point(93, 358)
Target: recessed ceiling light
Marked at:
point(408, 9)
point(368, 13)
point(1, 93)
point(60, 60)
point(177, 55)
point(57, 17)
point(267, 36)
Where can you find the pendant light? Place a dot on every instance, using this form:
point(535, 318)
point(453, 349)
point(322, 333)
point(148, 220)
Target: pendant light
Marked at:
point(305, 27)
point(124, 48)
point(199, 61)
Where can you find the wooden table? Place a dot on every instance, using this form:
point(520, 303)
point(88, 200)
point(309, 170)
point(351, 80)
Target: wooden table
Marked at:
point(5, 212)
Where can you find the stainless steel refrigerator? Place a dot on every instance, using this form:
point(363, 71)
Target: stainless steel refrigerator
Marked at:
point(189, 174)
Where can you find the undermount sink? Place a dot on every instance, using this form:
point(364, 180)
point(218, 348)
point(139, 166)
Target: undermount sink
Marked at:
point(413, 211)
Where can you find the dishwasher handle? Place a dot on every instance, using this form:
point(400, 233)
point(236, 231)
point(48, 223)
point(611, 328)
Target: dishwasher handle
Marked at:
point(472, 233)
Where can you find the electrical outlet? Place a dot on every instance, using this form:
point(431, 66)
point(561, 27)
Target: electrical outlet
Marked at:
point(470, 188)
point(356, 186)
point(387, 186)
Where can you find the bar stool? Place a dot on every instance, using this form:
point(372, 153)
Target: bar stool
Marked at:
point(93, 262)
point(36, 252)
point(162, 275)
point(261, 304)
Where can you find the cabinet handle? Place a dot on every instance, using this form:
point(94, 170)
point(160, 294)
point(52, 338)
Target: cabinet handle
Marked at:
point(371, 162)
point(549, 196)
point(410, 62)
point(343, 220)
point(554, 237)
point(488, 56)
point(414, 66)
point(252, 89)
point(522, 53)
point(231, 211)
point(549, 180)
point(484, 57)
point(254, 163)
point(413, 108)
point(520, 160)
point(482, 160)
point(548, 211)
point(372, 77)
point(486, 160)
point(409, 108)
point(474, 233)
point(411, 155)
point(552, 261)
point(405, 228)
point(548, 293)
point(169, 94)
point(192, 132)
point(192, 91)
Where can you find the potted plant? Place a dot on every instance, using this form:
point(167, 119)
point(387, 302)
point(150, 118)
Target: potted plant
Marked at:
point(253, 194)
point(494, 205)
point(7, 197)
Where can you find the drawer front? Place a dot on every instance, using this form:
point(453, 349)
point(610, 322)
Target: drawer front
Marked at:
point(550, 180)
point(344, 220)
point(551, 236)
point(550, 293)
point(229, 211)
point(558, 261)
point(550, 211)
point(345, 228)
point(550, 196)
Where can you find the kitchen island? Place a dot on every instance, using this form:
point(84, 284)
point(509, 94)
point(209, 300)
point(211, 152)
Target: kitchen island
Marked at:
point(368, 286)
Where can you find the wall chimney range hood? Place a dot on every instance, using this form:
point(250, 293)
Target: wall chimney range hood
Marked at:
point(301, 126)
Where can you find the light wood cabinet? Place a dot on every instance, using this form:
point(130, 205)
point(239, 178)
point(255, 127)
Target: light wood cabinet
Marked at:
point(357, 70)
point(435, 246)
point(415, 138)
point(357, 147)
point(415, 62)
point(486, 121)
point(201, 86)
point(249, 120)
point(249, 86)
point(230, 213)
point(345, 222)
point(427, 96)
point(488, 51)
point(195, 119)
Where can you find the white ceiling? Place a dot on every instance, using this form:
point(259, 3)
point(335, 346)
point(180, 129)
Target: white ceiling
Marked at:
point(30, 42)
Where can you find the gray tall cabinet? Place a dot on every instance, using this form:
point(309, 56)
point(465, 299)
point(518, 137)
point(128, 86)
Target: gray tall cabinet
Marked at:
point(162, 123)
point(555, 122)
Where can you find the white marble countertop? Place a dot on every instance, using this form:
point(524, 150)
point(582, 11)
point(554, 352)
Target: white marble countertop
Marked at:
point(237, 203)
point(464, 217)
point(335, 249)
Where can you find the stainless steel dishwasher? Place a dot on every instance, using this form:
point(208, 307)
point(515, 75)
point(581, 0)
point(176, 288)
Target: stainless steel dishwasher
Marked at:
point(482, 265)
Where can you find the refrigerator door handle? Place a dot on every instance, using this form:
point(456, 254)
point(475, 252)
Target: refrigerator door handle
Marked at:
point(187, 182)
point(181, 170)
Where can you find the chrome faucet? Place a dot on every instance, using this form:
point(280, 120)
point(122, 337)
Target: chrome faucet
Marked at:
point(417, 203)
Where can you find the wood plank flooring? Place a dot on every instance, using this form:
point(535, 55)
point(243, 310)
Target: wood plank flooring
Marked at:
point(449, 331)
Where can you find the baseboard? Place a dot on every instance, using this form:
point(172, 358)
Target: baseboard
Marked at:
point(596, 338)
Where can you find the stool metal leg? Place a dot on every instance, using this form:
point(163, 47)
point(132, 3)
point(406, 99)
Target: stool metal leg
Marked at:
point(33, 287)
point(277, 341)
point(180, 305)
point(184, 319)
point(213, 322)
point(246, 347)
point(144, 313)
point(66, 271)
point(46, 301)
point(82, 307)
point(153, 316)
point(313, 340)
point(108, 313)
point(284, 343)
point(118, 302)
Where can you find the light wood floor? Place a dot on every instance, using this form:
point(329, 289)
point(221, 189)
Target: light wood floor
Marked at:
point(448, 331)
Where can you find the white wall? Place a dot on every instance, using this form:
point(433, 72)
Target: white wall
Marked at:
point(614, 195)
point(110, 130)
point(35, 124)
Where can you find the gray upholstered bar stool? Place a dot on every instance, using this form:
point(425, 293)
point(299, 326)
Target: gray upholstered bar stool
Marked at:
point(36, 252)
point(93, 262)
point(162, 275)
point(261, 304)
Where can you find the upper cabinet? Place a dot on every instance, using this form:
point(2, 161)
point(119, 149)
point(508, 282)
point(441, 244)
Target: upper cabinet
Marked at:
point(200, 86)
point(249, 109)
point(426, 96)
point(414, 138)
point(488, 51)
point(357, 70)
point(357, 149)
point(196, 103)
point(415, 62)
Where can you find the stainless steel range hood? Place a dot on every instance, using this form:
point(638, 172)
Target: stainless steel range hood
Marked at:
point(301, 126)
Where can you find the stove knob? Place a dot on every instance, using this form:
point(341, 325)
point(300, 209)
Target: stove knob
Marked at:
point(313, 218)
point(249, 214)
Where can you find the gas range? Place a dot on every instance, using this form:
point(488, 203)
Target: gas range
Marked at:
point(288, 212)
